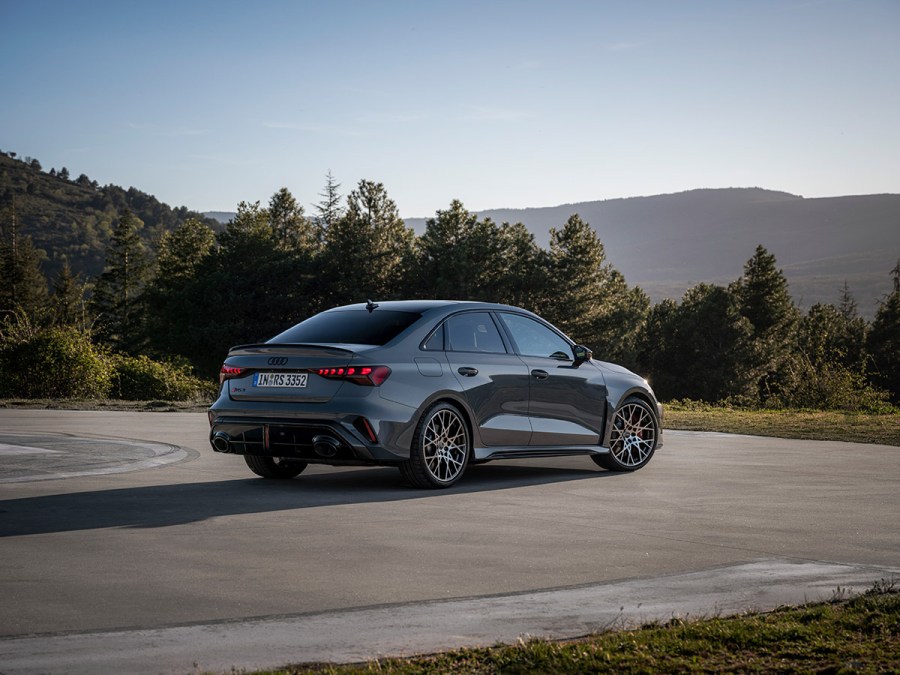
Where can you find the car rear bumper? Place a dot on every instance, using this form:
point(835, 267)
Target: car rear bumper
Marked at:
point(322, 441)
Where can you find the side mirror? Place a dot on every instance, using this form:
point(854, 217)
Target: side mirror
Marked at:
point(581, 354)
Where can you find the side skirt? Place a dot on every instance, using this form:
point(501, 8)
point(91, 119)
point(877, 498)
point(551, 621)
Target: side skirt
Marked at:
point(489, 454)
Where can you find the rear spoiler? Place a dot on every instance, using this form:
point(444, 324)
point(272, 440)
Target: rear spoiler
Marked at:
point(289, 348)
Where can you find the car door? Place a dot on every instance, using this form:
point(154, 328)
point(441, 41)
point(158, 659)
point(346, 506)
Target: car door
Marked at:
point(495, 380)
point(567, 402)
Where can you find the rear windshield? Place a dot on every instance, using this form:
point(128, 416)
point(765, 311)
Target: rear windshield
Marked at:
point(354, 326)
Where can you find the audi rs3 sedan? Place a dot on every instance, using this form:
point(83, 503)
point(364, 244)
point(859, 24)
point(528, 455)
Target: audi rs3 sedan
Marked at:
point(429, 387)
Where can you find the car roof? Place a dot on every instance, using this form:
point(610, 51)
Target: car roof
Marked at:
point(420, 306)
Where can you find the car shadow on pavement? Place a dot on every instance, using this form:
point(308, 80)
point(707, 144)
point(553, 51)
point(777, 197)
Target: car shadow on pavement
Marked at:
point(166, 505)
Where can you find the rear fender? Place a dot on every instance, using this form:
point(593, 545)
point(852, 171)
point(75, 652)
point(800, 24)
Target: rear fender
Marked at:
point(452, 397)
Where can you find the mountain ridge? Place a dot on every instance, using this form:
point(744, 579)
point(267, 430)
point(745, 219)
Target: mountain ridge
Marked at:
point(71, 220)
point(667, 243)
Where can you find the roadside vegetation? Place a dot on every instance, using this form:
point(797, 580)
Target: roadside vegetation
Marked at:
point(859, 635)
point(174, 294)
point(63, 363)
point(821, 425)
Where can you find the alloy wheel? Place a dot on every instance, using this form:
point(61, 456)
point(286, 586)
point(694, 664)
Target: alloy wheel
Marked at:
point(445, 445)
point(633, 435)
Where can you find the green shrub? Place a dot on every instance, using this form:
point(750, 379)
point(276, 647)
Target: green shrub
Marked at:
point(59, 362)
point(139, 378)
point(63, 362)
point(828, 386)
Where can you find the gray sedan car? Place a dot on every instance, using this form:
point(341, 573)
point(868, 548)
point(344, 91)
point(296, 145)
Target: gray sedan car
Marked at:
point(429, 387)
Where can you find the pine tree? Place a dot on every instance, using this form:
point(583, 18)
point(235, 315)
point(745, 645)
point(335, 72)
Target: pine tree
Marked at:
point(329, 210)
point(292, 229)
point(657, 349)
point(369, 251)
point(697, 349)
point(177, 299)
point(832, 335)
point(851, 339)
point(524, 266)
point(459, 256)
point(182, 249)
point(117, 292)
point(884, 340)
point(764, 300)
point(23, 287)
point(68, 299)
point(764, 297)
point(245, 288)
point(578, 274)
point(249, 218)
point(828, 370)
point(588, 298)
point(822, 335)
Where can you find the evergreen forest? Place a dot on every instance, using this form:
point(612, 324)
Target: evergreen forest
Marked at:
point(116, 295)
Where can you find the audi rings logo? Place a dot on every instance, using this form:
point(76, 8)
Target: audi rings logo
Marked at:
point(277, 360)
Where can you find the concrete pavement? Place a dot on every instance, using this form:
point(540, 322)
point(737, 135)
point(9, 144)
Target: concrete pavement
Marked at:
point(50, 456)
point(200, 542)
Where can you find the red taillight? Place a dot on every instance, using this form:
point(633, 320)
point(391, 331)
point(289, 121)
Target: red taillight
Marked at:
point(227, 372)
point(368, 376)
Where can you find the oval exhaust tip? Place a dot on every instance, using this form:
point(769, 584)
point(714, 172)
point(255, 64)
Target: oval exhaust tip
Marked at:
point(221, 442)
point(325, 446)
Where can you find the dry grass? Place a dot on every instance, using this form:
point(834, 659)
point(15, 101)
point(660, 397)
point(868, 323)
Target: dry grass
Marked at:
point(860, 635)
point(810, 424)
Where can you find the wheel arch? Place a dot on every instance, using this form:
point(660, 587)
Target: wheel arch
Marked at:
point(466, 415)
point(633, 392)
point(447, 396)
point(642, 395)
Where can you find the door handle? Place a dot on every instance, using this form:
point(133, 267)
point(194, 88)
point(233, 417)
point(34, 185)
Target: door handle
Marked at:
point(467, 372)
point(540, 374)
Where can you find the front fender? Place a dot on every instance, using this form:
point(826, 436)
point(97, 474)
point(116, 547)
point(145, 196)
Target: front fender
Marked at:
point(637, 392)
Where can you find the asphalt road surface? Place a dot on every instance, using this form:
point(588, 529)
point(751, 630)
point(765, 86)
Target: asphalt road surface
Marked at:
point(126, 544)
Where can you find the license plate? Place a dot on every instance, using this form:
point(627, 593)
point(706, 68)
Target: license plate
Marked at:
point(280, 379)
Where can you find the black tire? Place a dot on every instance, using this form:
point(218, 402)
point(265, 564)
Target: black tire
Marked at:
point(440, 449)
point(274, 467)
point(633, 438)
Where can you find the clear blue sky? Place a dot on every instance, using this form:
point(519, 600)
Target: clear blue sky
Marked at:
point(499, 104)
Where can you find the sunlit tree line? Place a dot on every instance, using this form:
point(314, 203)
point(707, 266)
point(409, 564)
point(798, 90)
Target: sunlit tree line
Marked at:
point(275, 264)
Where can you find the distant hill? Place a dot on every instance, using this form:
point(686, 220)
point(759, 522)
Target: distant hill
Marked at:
point(70, 218)
point(222, 217)
point(667, 243)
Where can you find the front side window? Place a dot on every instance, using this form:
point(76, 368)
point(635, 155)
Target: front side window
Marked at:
point(535, 339)
point(474, 332)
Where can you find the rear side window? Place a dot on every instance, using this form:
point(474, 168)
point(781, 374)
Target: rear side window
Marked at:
point(474, 332)
point(435, 343)
point(354, 326)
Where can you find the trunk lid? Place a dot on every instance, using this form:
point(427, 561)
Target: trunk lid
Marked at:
point(285, 372)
